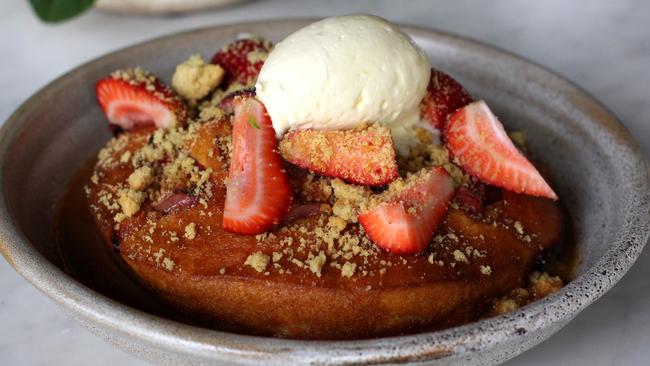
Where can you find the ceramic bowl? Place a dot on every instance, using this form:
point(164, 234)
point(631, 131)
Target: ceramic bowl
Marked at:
point(597, 169)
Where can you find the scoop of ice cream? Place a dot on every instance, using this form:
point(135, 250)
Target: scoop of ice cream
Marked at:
point(341, 72)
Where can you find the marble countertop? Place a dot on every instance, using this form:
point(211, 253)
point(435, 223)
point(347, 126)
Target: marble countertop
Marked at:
point(604, 46)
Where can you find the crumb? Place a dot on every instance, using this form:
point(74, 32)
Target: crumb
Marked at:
point(542, 284)
point(190, 231)
point(519, 227)
point(459, 256)
point(486, 270)
point(258, 261)
point(350, 200)
point(125, 157)
point(168, 264)
point(194, 78)
point(159, 255)
point(505, 305)
point(276, 257)
point(211, 113)
point(141, 178)
point(337, 223)
point(130, 201)
point(316, 262)
point(348, 269)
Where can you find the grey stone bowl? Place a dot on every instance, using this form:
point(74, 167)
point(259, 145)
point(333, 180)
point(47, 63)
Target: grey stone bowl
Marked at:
point(596, 167)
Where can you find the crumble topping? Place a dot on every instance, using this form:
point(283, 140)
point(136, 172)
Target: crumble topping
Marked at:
point(195, 79)
point(486, 270)
point(160, 166)
point(190, 231)
point(519, 227)
point(141, 178)
point(163, 164)
point(350, 199)
point(427, 151)
point(130, 201)
point(316, 262)
point(348, 269)
point(460, 256)
point(539, 285)
point(258, 261)
point(135, 76)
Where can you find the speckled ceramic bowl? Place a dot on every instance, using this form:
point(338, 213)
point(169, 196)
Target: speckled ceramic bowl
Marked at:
point(598, 170)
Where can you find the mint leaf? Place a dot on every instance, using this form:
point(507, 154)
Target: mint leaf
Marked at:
point(253, 122)
point(53, 11)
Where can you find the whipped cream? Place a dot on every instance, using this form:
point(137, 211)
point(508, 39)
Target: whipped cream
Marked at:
point(342, 72)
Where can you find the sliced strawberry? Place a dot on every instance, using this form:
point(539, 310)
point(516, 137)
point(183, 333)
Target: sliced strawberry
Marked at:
point(243, 59)
point(362, 156)
point(479, 144)
point(444, 96)
point(132, 98)
point(408, 214)
point(258, 194)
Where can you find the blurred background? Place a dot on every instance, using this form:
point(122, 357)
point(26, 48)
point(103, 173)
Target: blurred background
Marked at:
point(603, 46)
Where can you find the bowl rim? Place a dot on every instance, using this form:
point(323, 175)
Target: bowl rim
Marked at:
point(162, 333)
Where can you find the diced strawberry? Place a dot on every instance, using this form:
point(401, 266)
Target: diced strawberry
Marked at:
point(132, 98)
point(258, 194)
point(479, 144)
point(242, 59)
point(228, 102)
point(406, 218)
point(469, 199)
point(362, 156)
point(444, 96)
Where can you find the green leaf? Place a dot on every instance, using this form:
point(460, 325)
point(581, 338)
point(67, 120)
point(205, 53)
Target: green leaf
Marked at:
point(253, 122)
point(58, 10)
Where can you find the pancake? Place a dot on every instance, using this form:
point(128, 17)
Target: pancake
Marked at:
point(315, 275)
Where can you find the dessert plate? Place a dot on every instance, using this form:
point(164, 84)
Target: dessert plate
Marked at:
point(598, 170)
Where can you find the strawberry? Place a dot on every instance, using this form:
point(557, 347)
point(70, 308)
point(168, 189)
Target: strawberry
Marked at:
point(227, 104)
point(444, 96)
point(242, 59)
point(408, 214)
point(362, 156)
point(470, 199)
point(258, 194)
point(132, 98)
point(479, 144)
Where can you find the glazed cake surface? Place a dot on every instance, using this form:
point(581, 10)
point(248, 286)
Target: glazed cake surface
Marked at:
point(313, 276)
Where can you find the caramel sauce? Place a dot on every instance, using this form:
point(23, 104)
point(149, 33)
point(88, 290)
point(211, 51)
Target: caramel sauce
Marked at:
point(88, 259)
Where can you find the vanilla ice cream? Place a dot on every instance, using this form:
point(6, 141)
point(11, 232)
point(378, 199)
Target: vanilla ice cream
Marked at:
point(341, 72)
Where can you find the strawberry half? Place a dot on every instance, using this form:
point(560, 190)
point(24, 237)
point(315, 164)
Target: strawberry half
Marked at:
point(479, 144)
point(132, 98)
point(444, 96)
point(258, 194)
point(243, 59)
point(362, 156)
point(408, 214)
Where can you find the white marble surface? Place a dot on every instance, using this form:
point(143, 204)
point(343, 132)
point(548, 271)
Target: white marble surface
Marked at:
point(604, 46)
